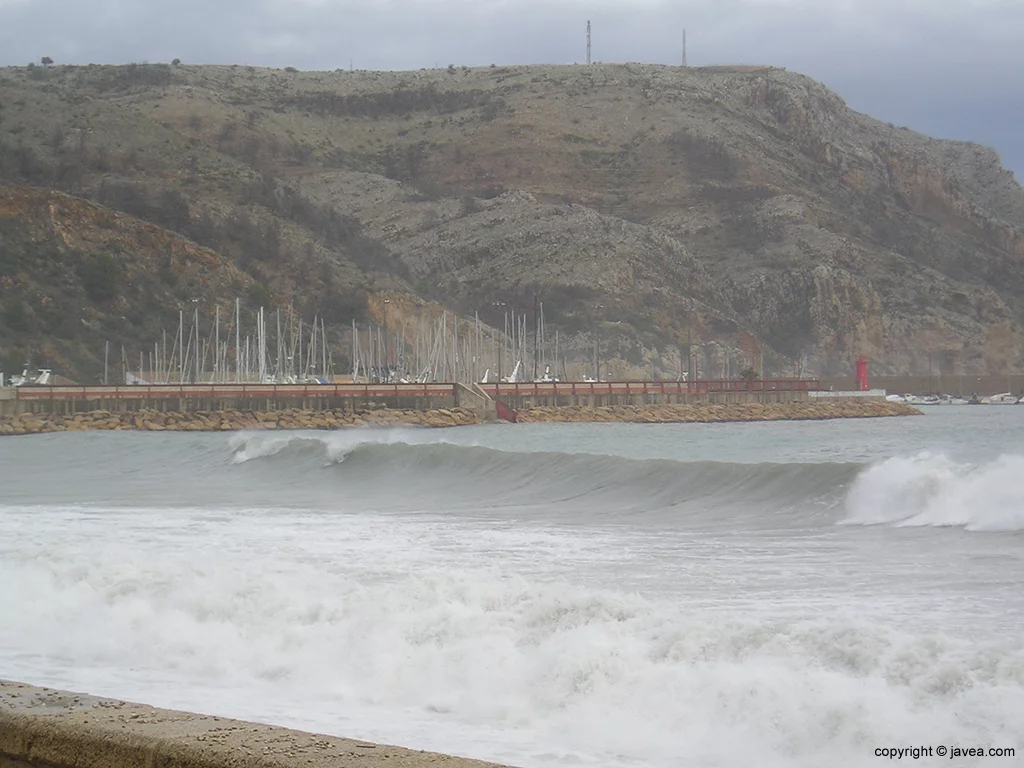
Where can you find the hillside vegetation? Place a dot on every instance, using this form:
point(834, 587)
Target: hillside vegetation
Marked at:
point(747, 212)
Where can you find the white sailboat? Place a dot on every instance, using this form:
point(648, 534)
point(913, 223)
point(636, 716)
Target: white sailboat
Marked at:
point(40, 379)
point(547, 378)
point(513, 377)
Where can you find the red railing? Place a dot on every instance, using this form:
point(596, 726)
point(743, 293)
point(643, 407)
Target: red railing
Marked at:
point(571, 388)
point(166, 391)
point(495, 390)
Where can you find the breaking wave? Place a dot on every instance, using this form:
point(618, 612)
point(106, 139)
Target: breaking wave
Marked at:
point(932, 490)
point(502, 665)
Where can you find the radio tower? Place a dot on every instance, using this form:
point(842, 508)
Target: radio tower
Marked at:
point(684, 46)
point(588, 41)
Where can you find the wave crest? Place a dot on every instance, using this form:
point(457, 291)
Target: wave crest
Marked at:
point(415, 465)
point(332, 447)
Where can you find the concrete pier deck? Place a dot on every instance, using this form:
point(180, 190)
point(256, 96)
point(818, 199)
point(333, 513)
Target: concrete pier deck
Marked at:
point(47, 728)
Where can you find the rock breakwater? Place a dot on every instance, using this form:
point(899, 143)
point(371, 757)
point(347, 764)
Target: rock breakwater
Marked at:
point(662, 414)
point(297, 418)
point(224, 421)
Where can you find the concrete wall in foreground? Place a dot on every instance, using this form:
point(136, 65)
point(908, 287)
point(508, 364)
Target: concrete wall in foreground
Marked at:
point(46, 728)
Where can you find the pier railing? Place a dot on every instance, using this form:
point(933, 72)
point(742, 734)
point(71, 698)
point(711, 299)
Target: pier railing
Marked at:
point(242, 391)
point(598, 388)
point(431, 390)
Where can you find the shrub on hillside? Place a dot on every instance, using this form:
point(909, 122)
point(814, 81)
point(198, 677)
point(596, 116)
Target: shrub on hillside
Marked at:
point(126, 76)
point(100, 276)
point(126, 196)
point(15, 314)
point(704, 157)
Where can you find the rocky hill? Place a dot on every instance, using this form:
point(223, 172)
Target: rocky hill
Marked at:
point(744, 213)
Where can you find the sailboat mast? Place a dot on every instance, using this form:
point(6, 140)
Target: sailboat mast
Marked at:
point(238, 345)
point(181, 346)
point(216, 344)
point(279, 362)
point(199, 377)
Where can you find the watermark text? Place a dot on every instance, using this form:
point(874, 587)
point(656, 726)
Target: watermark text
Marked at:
point(952, 752)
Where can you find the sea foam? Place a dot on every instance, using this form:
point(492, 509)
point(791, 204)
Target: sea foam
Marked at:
point(340, 625)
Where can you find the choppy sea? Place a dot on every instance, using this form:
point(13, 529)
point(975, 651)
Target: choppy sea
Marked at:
point(707, 595)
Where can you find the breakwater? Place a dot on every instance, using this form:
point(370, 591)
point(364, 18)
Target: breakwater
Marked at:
point(711, 412)
point(231, 420)
point(297, 418)
point(46, 728)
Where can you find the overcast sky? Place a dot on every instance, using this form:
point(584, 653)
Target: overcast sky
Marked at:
point(950, 68)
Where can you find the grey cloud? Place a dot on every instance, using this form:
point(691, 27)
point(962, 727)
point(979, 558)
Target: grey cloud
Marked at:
point(944, 67)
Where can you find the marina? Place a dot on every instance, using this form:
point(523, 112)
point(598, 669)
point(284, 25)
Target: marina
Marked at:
point(1003, 398)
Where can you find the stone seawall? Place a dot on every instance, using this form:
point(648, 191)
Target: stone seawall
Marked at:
point(295, 418)
point(46, 728)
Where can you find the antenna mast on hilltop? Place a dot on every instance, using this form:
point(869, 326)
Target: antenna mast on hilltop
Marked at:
point(588, 41)
point(684, 47)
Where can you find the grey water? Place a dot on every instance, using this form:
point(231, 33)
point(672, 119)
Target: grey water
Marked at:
point(774, 593)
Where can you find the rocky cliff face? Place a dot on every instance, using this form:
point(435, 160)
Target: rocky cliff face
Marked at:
point(74, 275)
point(746, 212)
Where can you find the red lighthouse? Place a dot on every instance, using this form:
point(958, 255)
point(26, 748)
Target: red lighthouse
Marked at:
point(862, 373)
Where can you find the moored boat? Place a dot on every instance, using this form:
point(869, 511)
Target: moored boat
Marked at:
point(1004, 398)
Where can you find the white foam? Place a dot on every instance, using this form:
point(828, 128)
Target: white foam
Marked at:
point(932, 490)
point(351, 626)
